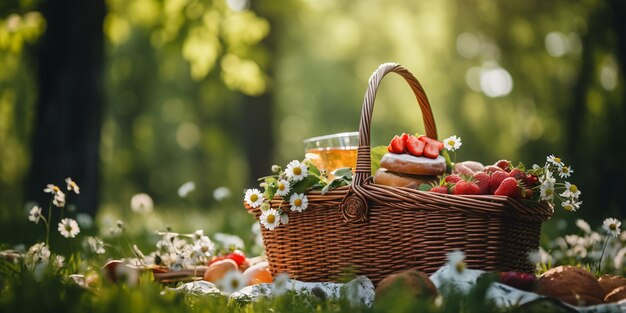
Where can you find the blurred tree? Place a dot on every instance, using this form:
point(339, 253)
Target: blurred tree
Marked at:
point(66, 138)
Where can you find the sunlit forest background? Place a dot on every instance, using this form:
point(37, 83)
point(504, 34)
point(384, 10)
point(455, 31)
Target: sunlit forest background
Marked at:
point(143, 96)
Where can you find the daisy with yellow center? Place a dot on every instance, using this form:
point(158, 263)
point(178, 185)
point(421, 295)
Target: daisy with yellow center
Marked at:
point(68, 228)
point(299, 202)
point(571, 205)
point(232, 282)
point(452, 143)
point(296, 171)
point(50, 188)
point(611, 225)
point(547, 191)
point(282, 188)
point(565, 171)
point(72, 186)
point(270, 219)
point(253, 197)
point(555, 160)
point(571, 191)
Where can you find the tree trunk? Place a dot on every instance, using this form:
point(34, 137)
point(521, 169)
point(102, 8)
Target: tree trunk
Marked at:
point(69, 108)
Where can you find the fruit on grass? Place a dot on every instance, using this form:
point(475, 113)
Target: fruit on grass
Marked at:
point(496, 179)
point(504, 164)
point(396, 145)
point(509, 187)
point(570, 284)
point(465, 187)
point(414, 146)
point(431, 151)
point(218, 269)
point(521, 281)
point(482, 180)
point(453, 178)
point(258, 274)
point(412, 282)
point(439, 189)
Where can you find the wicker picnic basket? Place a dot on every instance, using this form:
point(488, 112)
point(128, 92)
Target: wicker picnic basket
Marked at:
point(375, 230)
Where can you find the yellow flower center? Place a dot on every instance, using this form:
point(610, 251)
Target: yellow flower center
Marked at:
point(568, 207)
point(234, 283)
point(460, 267)
point(68, 228)
point(297, 202)
point(254, 197)
point(271, 218)
point(565, 169)
point(281, 186)
point(613, 227)
point(297, 171)
point(549, 191)
point(557, 160)
point(56, 189)
point(573, 188)
point(451, 142)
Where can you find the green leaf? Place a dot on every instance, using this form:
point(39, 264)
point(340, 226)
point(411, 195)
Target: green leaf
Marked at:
point(312, 168)
point(343, 172)
point(336, 183)
point(304, 185)
point(425, 187)
point(376, 154)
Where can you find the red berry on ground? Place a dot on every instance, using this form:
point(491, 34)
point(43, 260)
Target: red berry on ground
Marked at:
point(509, 187)
point(496, 179)
point(465, 188)
point(521, 281)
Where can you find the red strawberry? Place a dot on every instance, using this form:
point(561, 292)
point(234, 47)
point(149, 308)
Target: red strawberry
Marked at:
point(431, 151)
point(439, 189)
point(216, 258)
point(495, 179)
point(482, 180)
point(414, 146)
point(396, 145)
point(509, 187)
point(518, 174)
point(454, 178)
point(521, 281)
point(532, 180)
point(466, 188)
point(405, 137)
point(238, 256)
point(504, 164)
point(431, 141)
point(492, 168)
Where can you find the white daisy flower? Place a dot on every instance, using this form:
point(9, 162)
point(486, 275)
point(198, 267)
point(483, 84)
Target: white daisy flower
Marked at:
point(571, 191)
point(299, 202)
point(565, 171)
point(547, 177)
point(554, 160)
point(270, 219)
point(229, 242)
point(58, 261)
point(583, 225)
point(253, 197)
point(59, 199)
point(35, 214)
point(51, 188)
point(95, 245)
point(68, 227)
point(547, 191)
point(280, 284)
point(296, 171)
point(569, 205)
point(141, 203)
point(284, 219)
point(232, 282)
point(452, 143)
point(456, 263)
point(282, 188)
point(611, 225)
point(205, 246)
point(221, 193)
point(186, 188)
point(72, 186)
point(37, 254)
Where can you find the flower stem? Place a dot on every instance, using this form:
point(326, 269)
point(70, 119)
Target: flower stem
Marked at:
point(48, 225)
point(602, 254)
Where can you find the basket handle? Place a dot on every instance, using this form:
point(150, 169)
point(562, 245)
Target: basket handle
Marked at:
point(354, 207)
point(363, 163)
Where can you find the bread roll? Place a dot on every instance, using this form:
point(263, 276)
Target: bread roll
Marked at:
point(408, 164)
point(618, 294)
point(609, 282)
point(572, 285)
point(412, 281)
point(387, 178)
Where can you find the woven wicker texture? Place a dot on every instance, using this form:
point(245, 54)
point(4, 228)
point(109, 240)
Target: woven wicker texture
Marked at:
point(375, 230)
